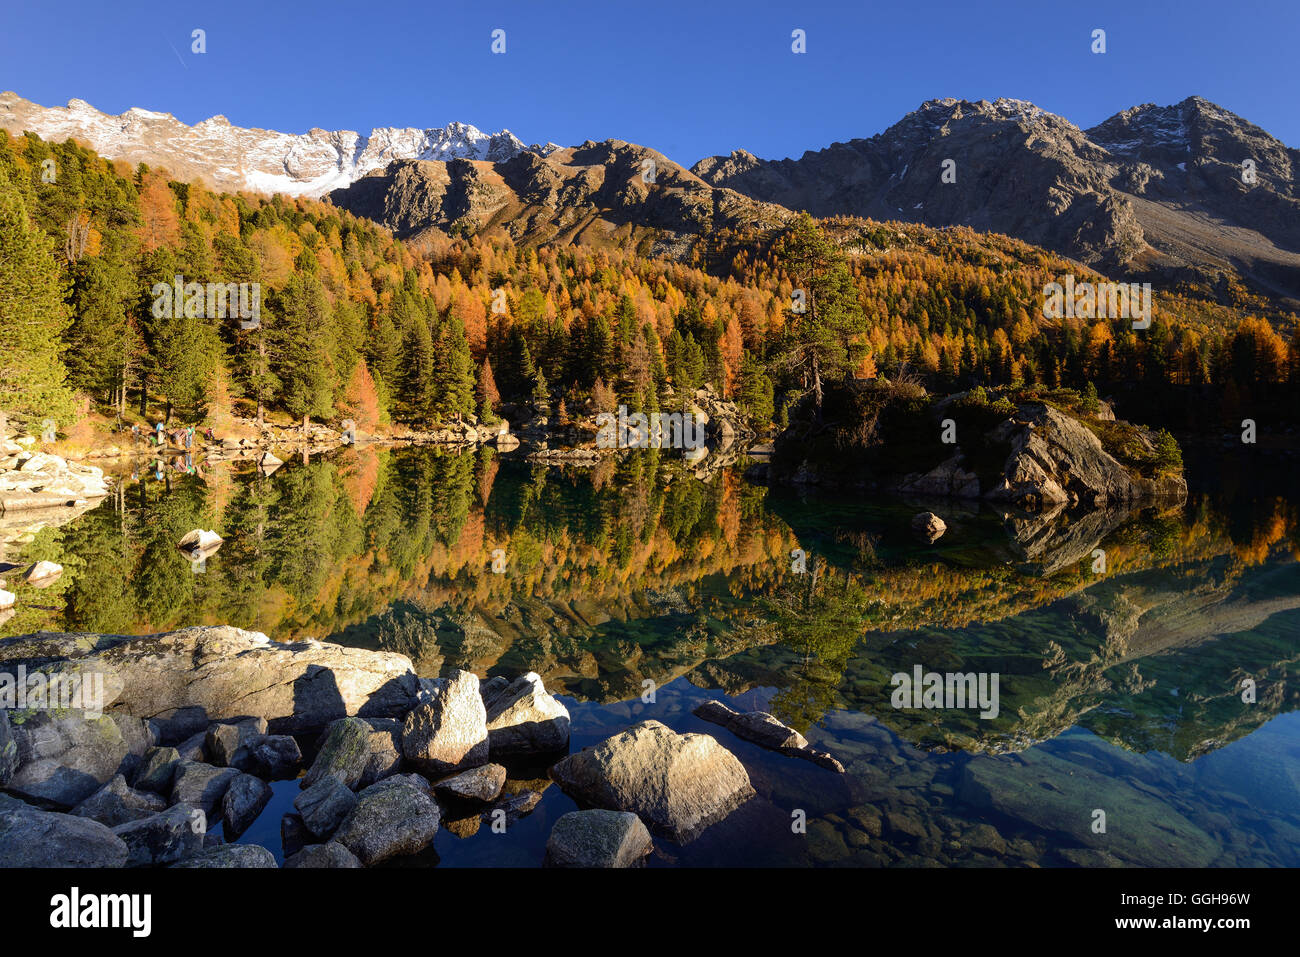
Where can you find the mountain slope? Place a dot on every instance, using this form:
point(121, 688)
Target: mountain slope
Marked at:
point(593, 193)
point(233, 158)
point(1152, 188)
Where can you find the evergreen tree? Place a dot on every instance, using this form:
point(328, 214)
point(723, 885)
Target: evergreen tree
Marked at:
point(33, 316)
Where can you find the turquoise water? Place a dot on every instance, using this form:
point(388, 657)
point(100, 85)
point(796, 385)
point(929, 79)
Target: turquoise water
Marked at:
point(1120, 688)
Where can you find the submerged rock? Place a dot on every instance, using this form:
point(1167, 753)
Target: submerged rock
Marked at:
point(764, 729)
point(598, 838)
point(1060, 797)
point(678, 784)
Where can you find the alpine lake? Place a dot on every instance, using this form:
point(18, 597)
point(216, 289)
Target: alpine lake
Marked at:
point(1145, 714)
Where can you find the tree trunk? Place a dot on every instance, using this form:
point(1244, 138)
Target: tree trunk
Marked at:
point(817, 388)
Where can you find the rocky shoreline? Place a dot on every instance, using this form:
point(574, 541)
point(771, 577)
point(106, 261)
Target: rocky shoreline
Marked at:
point(189, 728)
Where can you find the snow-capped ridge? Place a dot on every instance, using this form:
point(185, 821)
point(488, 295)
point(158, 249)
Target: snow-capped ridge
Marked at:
point(236, 158)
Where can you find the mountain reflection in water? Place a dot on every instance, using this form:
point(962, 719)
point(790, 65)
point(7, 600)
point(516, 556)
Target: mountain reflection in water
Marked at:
point(1120, 689)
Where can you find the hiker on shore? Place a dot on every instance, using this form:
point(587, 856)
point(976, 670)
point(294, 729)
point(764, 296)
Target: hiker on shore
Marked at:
point(159, 430)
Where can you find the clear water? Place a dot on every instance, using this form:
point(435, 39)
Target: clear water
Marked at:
point(1119, 692)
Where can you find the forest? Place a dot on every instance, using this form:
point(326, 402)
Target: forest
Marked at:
point(355, 324)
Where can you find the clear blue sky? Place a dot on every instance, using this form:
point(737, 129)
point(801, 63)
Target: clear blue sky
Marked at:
point(688, 78)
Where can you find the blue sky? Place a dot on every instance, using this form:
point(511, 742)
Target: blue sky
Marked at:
point(689, 79)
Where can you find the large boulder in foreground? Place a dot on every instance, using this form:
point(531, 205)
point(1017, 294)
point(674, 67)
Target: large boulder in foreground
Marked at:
point(447, 731)
point(232, 673)
point(33, 838)
point(523, 718)
point(678, 784)
point(598, 838)
point(391, 819)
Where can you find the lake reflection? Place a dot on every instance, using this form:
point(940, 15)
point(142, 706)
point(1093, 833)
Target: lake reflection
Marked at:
point(1121, 683)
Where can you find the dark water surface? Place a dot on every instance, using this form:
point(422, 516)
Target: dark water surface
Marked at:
point(639, 590)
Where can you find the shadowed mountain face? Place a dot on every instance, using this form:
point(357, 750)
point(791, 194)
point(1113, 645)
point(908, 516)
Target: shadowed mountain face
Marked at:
point(593, 193)
point(1160, 189)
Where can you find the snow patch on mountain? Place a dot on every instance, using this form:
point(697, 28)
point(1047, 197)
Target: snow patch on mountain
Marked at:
point(237, 158)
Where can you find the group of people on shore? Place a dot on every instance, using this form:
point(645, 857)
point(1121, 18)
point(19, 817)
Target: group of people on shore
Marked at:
point(161, 436)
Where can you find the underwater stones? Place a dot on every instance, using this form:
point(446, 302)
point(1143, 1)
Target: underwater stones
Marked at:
point(678, 784)
point(1060, 798)
point(598, 838)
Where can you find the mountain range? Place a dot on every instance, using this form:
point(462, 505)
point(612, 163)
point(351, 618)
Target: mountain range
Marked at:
point(1189, 192)
point(232, 158)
